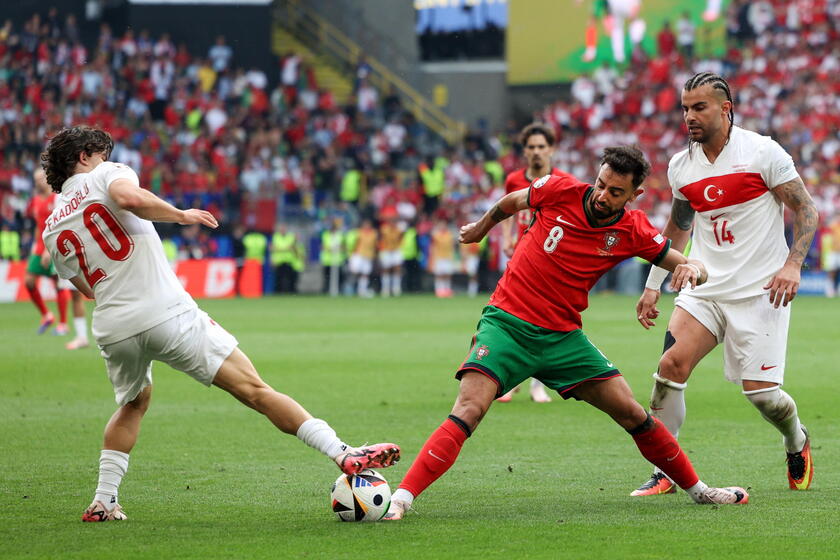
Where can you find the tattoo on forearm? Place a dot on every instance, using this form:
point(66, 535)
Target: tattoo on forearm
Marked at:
point(497, 214)
point(806, 218)
point(682, 214)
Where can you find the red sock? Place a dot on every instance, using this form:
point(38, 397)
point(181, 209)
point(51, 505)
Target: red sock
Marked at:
point(36, 298)
point(438, 454)
point(660, 447)
point(62, 297)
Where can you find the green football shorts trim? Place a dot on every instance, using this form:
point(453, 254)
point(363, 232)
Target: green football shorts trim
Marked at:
point(509, 350)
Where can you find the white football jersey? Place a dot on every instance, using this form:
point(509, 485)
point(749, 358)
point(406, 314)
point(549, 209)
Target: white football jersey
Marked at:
point(118, 254)
point(739, 227)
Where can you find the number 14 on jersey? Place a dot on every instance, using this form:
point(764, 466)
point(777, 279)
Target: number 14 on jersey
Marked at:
point(722, 234)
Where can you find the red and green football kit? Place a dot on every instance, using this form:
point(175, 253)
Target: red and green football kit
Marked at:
point(532, 325)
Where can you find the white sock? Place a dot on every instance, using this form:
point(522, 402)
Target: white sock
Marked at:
point(667, 403)
point(319, 435)
point(696, 491)
point(386, 284)
point(112, 467)
point(403, 495)
point(80, 325)
point(438, 286)
point(778, 408)
point(363, 285)
point(536, 384)
point(396, 284)
point(472, 288)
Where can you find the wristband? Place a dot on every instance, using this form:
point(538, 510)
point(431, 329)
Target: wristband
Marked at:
point(655, 278)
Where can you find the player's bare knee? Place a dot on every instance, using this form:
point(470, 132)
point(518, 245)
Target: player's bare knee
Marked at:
point(674, 368)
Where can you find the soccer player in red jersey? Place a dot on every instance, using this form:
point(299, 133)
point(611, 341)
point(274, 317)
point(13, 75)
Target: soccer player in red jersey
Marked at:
point(532, 325)
point(537, 141)
point(40, 208)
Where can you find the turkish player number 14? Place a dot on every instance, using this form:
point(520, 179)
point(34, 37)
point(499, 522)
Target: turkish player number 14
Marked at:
point(722, 234)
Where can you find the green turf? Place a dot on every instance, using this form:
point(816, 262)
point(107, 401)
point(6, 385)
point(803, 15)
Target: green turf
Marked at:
point(210, 478)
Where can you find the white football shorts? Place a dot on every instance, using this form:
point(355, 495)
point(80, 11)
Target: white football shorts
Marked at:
point(191, 342)
point(753, 333)
point(443, 267)
point(833, 261)
point(390, 259)
point(360, 265)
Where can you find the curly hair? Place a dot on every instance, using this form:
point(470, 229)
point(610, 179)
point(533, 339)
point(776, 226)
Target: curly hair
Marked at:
point(63, 150)
point(625, 160)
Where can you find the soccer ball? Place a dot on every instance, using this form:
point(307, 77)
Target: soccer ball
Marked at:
point(361, 497)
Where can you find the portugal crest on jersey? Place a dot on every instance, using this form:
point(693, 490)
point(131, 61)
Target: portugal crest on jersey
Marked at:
point(611, 239)
point(482, 351)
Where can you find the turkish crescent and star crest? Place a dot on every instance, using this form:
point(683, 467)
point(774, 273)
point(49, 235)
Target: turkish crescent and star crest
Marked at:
point(711, 193)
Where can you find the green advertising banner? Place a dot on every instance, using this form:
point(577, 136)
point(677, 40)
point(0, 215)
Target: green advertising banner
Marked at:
point(552, 41)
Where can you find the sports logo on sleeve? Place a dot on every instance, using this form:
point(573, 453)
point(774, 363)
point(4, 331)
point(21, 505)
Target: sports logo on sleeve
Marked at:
point(658, 238)
point(541, 181)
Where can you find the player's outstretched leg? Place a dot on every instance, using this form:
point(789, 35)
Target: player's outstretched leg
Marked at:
point(238, 377)
point(654, 441)
point(120, 437)
point(442, 448)
point(778, 408)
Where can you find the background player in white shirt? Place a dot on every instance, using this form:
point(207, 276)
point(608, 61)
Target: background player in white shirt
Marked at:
point(735, 183)
point(101, 238)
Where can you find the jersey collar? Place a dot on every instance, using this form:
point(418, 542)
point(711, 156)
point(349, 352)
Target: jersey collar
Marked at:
point(591, 219)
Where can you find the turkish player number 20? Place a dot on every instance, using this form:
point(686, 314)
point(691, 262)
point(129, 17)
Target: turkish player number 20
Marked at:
point(95, 217)
point(554, 237)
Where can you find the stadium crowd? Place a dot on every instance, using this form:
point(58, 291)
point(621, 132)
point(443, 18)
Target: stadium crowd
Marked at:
point(258, 146)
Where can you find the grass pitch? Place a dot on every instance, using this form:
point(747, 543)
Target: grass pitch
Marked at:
point(212, 479)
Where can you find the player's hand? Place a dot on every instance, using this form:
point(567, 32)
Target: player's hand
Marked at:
point(646, 310)
point(471, 233)
point(688, 274)
point(196, 216)
point(507, 246)
point(784, 285)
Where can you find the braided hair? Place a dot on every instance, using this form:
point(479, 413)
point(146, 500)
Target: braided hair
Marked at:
point(718, 83)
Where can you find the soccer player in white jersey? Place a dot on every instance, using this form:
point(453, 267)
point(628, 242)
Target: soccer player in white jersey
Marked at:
point(732, 185)
point(101, 238)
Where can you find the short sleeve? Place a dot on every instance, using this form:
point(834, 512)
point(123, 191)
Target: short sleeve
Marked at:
point(115, 171)
point(547, 190)
point(777, 166)
point(650, 244)
point(675, 188)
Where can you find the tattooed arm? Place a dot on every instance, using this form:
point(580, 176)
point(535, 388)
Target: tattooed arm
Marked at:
point(784, 285)
point(507, 206)
point(678, 228)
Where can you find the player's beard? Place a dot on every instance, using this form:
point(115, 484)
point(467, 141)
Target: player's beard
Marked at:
point(601, 212)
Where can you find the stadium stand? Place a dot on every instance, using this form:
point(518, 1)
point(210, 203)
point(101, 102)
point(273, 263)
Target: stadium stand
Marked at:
point(258, 145)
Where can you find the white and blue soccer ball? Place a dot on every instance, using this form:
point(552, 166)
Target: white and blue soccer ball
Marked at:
point(361, 497)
